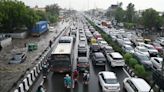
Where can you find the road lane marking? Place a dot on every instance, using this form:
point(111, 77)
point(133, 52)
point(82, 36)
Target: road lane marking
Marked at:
point(126, 72)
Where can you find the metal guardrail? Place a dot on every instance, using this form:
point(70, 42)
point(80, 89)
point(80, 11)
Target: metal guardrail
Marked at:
point(26, 81)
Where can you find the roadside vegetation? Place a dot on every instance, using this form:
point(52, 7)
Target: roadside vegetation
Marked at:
point(130, 60)
point(149, 19)
point(15, 16)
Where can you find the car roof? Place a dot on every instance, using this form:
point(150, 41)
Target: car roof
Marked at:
point(108, 47)
point(140, 47)
point(82, 59)
point(99, 54)
point(158, 58)
point(127, 45)
point(103, 42)
point(116, 55)
point(141, 84)
point(108, 75)
point(148, 45)
point(82, 44)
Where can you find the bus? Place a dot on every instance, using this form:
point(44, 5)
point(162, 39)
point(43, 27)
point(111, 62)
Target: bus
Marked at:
point(62, 56)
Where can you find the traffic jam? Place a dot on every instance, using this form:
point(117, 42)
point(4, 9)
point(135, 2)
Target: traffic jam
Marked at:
point(95, 63)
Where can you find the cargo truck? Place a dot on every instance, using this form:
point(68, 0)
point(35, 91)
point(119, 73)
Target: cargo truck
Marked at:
point(39, 28)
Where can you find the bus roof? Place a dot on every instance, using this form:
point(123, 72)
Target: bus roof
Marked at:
point(63, 48)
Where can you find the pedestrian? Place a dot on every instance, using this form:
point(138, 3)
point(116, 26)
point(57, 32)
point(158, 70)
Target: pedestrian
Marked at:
point(50, 43)
point(40, 89)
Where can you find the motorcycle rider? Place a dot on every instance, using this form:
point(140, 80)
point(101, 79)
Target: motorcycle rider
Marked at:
point(85, 77)
point(75, 75)
point(45, 69)
point(67, 81)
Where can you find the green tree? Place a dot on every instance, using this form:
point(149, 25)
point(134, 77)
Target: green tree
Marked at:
point(52, 12)
point(130, 13)
point(151, 19)
point(41, 15)
point(119, 14)
point(53, 9)
point(14, 14)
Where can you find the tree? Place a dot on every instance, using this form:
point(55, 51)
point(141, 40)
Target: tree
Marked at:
point(130, 13)
point(14, 14)
point(53, 9)
point(151, 19)
point(52, 12)
point(119, 14)
point(41, 14)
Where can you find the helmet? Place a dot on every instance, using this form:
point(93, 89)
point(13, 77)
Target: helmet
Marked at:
point(86, 71)
point(67, 75)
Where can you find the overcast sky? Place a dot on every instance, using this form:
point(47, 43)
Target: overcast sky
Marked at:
point(104, 4)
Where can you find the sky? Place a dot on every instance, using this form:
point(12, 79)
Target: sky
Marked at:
point(104, 4)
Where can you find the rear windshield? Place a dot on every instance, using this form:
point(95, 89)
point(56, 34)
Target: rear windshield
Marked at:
point(111, 81)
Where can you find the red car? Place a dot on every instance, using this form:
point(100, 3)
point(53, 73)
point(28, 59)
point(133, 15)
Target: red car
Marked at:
point(157, 46)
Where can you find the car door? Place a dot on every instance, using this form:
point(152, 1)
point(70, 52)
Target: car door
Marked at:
point(129, 86)
point(101, 79)
point(156, 63)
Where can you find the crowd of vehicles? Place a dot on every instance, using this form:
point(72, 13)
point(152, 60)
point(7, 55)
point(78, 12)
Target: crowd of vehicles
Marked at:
point(91, 43)
point(144, 50)
point(148, 53)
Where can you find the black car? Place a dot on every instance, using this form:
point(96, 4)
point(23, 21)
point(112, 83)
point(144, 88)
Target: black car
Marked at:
point(95, 48)
point(98, 58)
point(82, 64)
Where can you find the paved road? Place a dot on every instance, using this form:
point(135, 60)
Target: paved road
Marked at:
point(54, 83)
point(56, 80)
point(40, 79)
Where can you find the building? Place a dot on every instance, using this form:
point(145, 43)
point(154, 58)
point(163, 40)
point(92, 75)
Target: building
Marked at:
point(39, 8)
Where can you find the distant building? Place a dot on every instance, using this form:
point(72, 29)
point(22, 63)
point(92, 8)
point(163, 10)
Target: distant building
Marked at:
point(39, 8)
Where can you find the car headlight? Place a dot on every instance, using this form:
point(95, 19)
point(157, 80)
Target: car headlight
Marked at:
point(151, 90)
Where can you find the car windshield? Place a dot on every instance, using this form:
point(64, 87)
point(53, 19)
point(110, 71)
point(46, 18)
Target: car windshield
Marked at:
point(129, 48)
point(111, 81)
point(143, 50)
point(150, 47)
point(144, 57)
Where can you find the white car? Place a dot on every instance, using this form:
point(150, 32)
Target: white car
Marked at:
point(102, 44)
point(127, 41)
point(136, 85)
point(160, 40)
point(157, 62)
point(128, 48)
point(108, 81)
point(99, 39)
point(152, 51)
point(115, 59)
point(142, 50)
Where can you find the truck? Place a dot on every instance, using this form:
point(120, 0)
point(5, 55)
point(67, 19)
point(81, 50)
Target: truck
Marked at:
point(39, 28)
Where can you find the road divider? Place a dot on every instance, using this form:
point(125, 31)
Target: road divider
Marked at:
point(27, 80)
